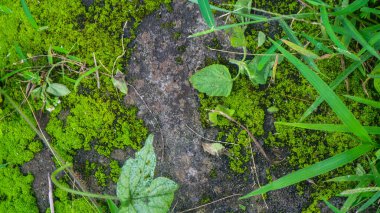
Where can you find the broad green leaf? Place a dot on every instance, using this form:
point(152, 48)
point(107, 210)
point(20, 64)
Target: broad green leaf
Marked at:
point(118, 81)
point(371, 201)
point(313, 170)
point(368, 102)
point(359, 38)
point(261, 39)
point(242, 7)
point(136, 188)
point(339, 79)
point(206, 12)
point(80, 78)
point(29, 14)
point(372, 130)
point(300, 49)
point(237, 37)
point(330, 32)
point(350, 178)
point(336, 104)
point(214, 80)
point(57, 89)
point(213, 116)
point(258, 76)
point(356, 5)
point(5, 9)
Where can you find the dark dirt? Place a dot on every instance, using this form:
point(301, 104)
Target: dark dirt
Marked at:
point(158, 72)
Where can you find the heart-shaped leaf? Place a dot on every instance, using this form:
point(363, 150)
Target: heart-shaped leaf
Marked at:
point(136, 188)
point(214, 80)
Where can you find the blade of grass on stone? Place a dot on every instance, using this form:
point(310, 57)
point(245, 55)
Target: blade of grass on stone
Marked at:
point(313, 170)
point(89, 72)
point(29, 14)
point(356, 5)
point(330, 32)
point(359, 38)
point(317, 44)
point(339, 79)
point(372, 130)
point(336, 104)
point(293, 38)
point(369, 202)
point(331, 206)
point(206, 12)
point(300, 49)
point(365, 101)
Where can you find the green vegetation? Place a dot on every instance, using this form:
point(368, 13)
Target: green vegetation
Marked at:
point(345, 42)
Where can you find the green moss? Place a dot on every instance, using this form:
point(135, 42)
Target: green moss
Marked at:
point(179, 60)
point(101, 177)
point(16, 191)
point(115, 171)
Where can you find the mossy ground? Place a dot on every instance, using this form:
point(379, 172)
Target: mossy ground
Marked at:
point(91, 119)
point(292, 95)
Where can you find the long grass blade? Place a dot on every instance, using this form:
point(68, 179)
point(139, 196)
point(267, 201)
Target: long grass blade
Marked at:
point(330, 32)
point(359, 38)
point(372, 130)
point(206, 12)
point(92, 70)
point(353, 197)
point(5, 9)
point(313, 170)
point(317, 44)
point(368, 102)
point(371, 201)
point(350, 178)
point(300, 49)
point(354, 6)
point(29, 14)
point(341, 110)
point(360, 190)
point(334, 84)
point(332, 207)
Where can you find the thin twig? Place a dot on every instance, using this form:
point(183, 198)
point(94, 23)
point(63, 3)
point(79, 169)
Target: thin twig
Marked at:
point(257, 143)
point(254, 173)
point(192, 209)
point(207, 139)
point(97, 71)
point(51, 199)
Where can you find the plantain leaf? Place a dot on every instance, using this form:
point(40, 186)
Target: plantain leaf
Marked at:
point(214, 80)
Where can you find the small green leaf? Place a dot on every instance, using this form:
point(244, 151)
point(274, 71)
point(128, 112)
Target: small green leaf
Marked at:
point(237, 37)
point(213, 116)
point(5, 9)
point(119, 82)
point(136, 188)
point(30, 76)
point(206, 12)
point(57, 89)
point(272, 109)
point(3, 165)
point(60, 50)
point(80, 78)
point(112, 206)
point(213, 148)
point(242, 7)
point(261, 39)
point(214, 80)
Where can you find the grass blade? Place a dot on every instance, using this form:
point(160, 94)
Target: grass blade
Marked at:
point(334, 84)
point(300, 49)
point(5, 9)
point(360, 190)
point(359, 38)
point(92, 70)
point(372, 130)
point(350, 178)
point(341, 110)
point(206, 12)
point(353, 197)
point(356, 5)
point(330, 32)
point(29, 14)
point(313, 170)
point(371, 201)
point(332, 207)
point(293, 38)
point(368, 102)
point(317, 44)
